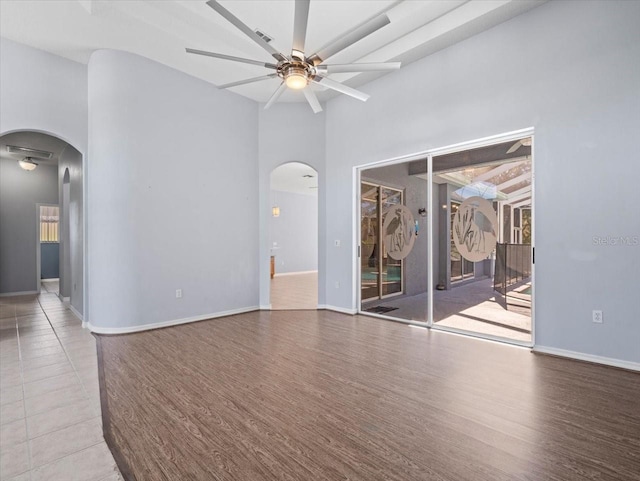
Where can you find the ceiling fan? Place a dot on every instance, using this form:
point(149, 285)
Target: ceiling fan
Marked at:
point(298, 70)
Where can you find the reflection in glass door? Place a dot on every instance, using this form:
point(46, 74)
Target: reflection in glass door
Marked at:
point(381, 275)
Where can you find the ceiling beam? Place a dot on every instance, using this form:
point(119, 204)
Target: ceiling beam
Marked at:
point(521, 204)
point(514, 181)
point(498, 170)
point(513, 200)
point(516, 193)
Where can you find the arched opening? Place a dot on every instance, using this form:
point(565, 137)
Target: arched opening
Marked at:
point(293, 236)
point(41, 194)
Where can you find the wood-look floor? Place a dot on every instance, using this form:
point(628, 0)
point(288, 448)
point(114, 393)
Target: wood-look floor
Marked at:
point(317, 395)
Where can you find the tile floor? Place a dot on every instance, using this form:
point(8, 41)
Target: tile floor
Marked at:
point(294, 291)
point(50, 421)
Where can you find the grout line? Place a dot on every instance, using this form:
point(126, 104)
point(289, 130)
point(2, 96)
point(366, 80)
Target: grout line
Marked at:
point(64, 350)
point(67, 427)
point(71, 454)
point(24, 407)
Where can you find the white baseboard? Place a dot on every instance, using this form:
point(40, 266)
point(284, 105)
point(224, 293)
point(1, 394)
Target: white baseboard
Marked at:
point(342, 310)
point(21, 293)
point(265, 307)
point(64, 299)
point(174, 322)
point(293, 273)
point(76, 312)
point(608, 361)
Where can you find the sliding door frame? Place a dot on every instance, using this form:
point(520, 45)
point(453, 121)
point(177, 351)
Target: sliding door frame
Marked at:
point(428, 155)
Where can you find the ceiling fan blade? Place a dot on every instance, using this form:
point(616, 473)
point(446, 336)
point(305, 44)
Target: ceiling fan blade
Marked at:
point(332, 84)
point(311, 97)
point(276, 95)
point(248, 81)
point(229, 57)
point(301, 18)
point(514, 147)
point(358, 67)
point(245, 29)
point(350, 38)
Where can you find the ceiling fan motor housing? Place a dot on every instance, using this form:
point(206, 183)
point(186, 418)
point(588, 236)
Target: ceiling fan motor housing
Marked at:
point(297, 74)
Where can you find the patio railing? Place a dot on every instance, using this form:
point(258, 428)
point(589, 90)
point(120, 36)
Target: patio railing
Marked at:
point(513, 265)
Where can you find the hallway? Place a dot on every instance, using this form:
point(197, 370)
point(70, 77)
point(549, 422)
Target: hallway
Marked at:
point(51, 425)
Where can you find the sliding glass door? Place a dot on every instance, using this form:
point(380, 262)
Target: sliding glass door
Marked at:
point(470, 269)
point(381, 274)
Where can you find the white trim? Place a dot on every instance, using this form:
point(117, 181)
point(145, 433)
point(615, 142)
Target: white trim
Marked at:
point(356, 239)
point(608, 361)
point(173, 322)
point(342, 310)
point(65, 299)
point(430, 229)
point(21, 293)
point(409, 322)
point(266, 307)
point(294, 273)
point(507, 341)
point(77, 313)
point(534, 224)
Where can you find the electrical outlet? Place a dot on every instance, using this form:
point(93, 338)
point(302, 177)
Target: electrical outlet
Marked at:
point(337, 284)
point(178, 293)
point(597, 317)
point(336, 242)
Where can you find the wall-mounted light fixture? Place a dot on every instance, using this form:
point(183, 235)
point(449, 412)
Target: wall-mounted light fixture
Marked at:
point(27, 163)
point(422, 211)
point(275, 211)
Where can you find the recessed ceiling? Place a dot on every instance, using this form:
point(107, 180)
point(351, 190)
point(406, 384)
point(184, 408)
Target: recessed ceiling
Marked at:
point(32, 140)
point(160, 30)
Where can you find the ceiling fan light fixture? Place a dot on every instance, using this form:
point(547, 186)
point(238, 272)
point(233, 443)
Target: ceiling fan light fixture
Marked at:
point(27, 164)
point(296, 77)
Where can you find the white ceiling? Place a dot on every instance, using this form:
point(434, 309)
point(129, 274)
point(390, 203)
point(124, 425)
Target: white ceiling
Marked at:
point(160, 30)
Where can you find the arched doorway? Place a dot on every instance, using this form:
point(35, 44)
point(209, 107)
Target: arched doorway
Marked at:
point(293, 236)
point(37, 226)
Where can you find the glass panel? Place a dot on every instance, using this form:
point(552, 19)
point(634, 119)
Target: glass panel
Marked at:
point(401, 249)
point(391, 268)
point(484, 197)
point(369, 241)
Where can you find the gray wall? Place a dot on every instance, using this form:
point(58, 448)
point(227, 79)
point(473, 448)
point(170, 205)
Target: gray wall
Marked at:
point(295, 231)
point(415, 197)
point(290, 133)
point(569, 69)
point(72, 227)
point(172, 194)
point(20, 191)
